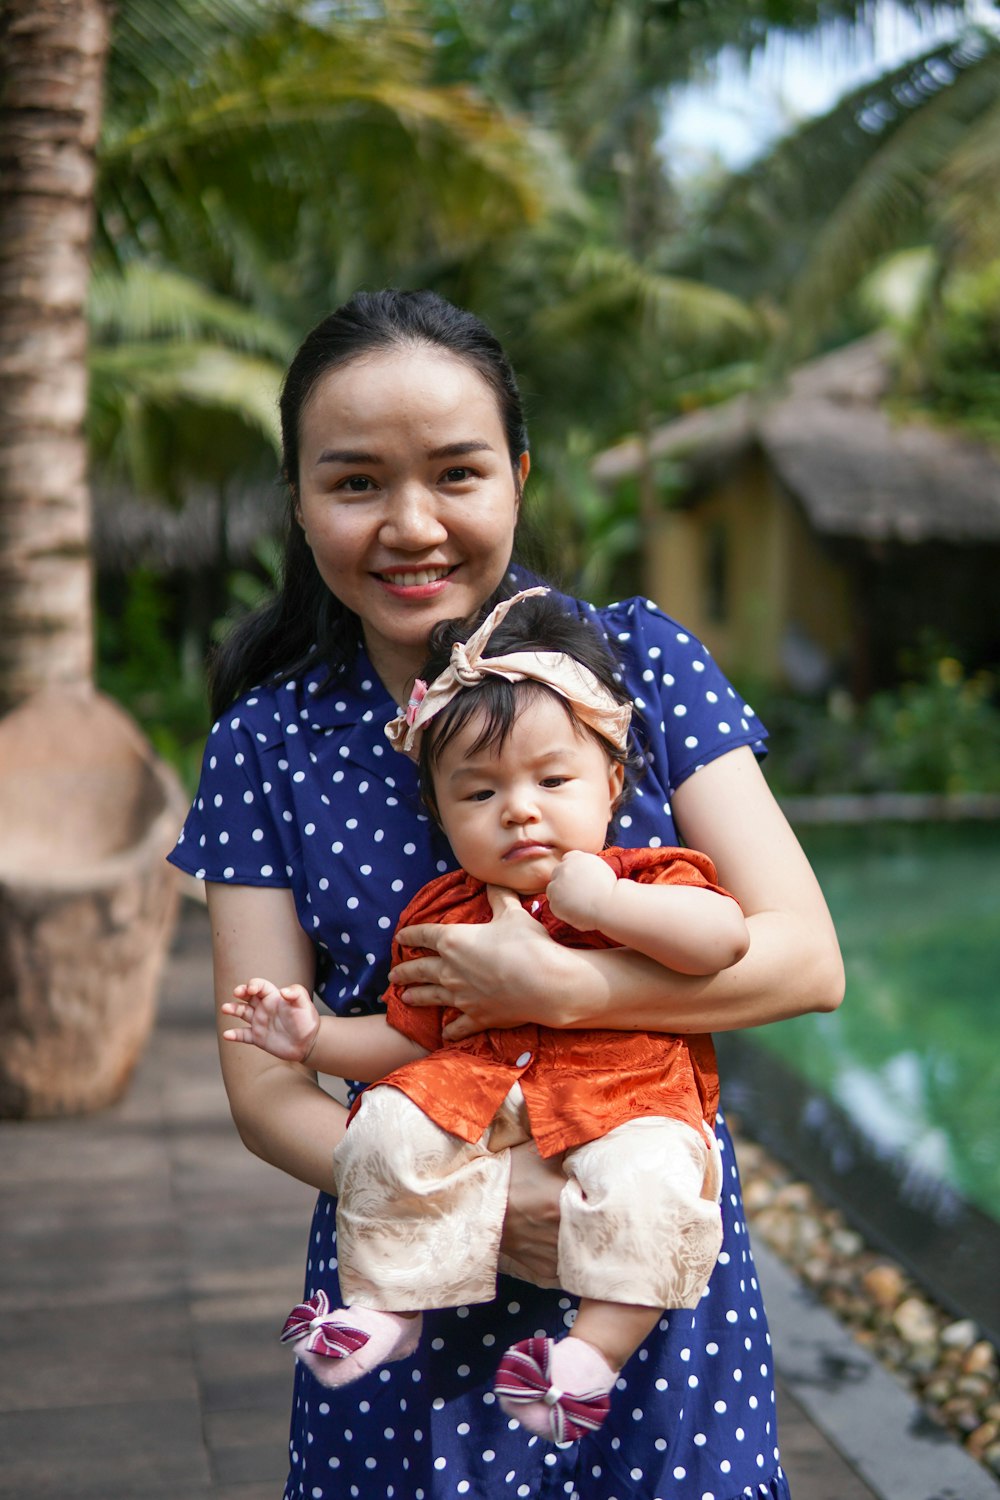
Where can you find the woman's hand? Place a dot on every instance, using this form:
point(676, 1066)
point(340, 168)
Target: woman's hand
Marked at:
point(503, 973)
point(531, 1225)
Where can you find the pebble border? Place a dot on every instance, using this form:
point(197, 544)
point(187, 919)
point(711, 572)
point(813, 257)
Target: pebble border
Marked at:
point(950, 1370)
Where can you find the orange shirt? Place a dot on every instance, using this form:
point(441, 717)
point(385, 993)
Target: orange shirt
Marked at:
point(577, 1085)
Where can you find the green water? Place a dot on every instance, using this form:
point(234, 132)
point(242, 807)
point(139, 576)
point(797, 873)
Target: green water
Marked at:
point(912, 1054)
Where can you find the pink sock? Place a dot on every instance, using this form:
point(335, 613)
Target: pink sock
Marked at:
point(559, 1391)
point(342, 1345)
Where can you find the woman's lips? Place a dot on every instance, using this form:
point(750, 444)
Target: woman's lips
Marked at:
point(415, 583)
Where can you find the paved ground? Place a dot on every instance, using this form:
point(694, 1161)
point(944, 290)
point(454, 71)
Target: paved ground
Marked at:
point(146, 1260)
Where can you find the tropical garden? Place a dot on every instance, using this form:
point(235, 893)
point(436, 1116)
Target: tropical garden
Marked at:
point(186, 188)
point(257, 162)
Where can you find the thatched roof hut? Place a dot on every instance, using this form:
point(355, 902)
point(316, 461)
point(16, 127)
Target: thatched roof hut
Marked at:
point(855, 469)
point(209, 531)
point(867, 531)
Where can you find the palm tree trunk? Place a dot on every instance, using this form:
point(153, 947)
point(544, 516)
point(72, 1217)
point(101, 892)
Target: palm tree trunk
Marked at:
point(87, 903)
point(52, 55)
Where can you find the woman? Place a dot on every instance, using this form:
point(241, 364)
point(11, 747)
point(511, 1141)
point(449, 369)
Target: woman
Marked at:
point(406, 458)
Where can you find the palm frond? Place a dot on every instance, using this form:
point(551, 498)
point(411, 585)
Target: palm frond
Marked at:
point(891, 196)
point(300, 112)
point(145, 302)
point(757, 229)
point(606, 283)
point(167, 374)
point(968, 197)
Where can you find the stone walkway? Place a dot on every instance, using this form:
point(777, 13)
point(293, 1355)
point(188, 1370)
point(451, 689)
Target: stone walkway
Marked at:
point(146, 1261)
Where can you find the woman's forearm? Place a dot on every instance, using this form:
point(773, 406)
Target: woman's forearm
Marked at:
point(279, 1109)
point(789, 969)
point(289, 1121)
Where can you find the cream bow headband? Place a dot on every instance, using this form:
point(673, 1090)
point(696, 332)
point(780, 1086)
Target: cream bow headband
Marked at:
point(590, 701)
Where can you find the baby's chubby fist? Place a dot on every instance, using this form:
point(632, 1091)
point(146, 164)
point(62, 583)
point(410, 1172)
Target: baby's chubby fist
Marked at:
point(580, 890)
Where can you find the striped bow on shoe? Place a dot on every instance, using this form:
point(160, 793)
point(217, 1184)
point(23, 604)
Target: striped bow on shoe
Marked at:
point(321, 1331)
point(531, 1386)
point(342, 1344)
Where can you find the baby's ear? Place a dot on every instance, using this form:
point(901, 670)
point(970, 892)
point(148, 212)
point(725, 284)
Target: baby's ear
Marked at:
point(427, 798)
point(616, 784)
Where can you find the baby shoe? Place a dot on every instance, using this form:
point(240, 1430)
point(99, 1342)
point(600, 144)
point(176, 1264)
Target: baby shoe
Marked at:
point(557, 1390)
point(342, 1345)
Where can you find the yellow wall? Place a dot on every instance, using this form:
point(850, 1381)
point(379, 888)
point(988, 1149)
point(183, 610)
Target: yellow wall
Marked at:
point(777, 573)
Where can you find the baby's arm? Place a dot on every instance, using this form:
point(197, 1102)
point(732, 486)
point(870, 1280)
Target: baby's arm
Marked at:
point(287, 1024)
point(687, 928)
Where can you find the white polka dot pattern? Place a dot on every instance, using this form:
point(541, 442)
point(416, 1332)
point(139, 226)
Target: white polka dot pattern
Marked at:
point(299, 790)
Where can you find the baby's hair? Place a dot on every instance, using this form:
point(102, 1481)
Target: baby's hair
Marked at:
point(537, 624)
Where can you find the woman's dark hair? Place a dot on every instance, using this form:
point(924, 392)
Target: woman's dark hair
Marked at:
point(542, 623)
point(305, 625)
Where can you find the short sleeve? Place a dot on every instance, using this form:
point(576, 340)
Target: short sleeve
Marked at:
point(667, 866)
point(236, 830)
point(688, 711)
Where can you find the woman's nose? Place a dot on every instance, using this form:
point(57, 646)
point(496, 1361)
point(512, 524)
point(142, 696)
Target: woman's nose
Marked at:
point(412, 521)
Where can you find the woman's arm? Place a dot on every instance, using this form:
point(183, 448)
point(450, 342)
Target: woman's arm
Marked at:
point(688, 928)
point(516, 973)
point(281, 1113)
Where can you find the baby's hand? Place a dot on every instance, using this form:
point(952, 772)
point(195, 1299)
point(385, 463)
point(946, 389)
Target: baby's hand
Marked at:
point(580, 890)
point(282, 1022)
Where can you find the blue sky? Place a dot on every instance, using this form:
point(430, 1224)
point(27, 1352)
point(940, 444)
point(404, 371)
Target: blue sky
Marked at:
point(731, 118)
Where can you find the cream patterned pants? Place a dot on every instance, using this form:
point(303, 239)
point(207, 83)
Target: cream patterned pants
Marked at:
point(420, 1212)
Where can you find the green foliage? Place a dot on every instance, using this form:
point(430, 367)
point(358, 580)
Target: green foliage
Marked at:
point(939, 733)
point(247, 589)
point(151, 653)
point(262, 160)
point(143, 664)
point(960, 367)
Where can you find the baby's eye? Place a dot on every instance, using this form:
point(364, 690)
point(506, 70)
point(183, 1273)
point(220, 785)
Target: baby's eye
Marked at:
point(554, 780)
point(483, 795)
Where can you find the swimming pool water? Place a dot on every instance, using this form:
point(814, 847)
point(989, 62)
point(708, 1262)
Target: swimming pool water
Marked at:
point(913, 1054)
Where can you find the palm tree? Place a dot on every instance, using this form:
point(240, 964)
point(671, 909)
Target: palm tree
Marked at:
point(53, 63)
point(248, 111)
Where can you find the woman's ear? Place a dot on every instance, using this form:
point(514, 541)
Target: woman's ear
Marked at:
point(299, 519)
point(523, 470)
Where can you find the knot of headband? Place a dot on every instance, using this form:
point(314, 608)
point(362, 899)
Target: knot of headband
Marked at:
point(590, 701)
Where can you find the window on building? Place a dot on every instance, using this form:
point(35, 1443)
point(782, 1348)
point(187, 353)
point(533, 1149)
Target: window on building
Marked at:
point(716, 581)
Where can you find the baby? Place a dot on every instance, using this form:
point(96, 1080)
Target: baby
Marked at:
point(522, 757)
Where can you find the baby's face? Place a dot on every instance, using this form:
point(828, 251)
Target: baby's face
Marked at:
point(511, 814)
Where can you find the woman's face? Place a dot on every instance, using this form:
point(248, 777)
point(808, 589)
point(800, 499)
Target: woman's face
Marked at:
point(407, 497)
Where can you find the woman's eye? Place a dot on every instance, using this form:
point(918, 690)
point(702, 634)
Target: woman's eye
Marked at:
point(356, 484)
point(456, 476)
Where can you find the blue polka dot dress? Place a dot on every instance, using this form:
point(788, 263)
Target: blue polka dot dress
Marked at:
point(300, 789)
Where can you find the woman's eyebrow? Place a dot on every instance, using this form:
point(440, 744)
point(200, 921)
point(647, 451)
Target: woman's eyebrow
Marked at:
point(361, 456)
point(461, 450)
point(347, 456)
